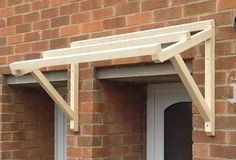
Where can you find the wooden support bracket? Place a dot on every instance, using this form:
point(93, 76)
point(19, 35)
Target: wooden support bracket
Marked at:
point(206, 106)
point(70, 111)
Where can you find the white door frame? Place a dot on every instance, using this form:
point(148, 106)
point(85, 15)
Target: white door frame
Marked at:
point(160, 97)
point(60, 130)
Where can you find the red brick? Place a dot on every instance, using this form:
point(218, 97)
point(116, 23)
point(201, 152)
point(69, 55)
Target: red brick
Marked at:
point(224, 5)
point(200, 150)
point(225, 33)
point(2, 22)
point(22, 8)
point(40, 46)
point(30, 56)
point(201, 137)
point(112, 140)
point(49, 13)
point(177, 2)
point(182, 21)
point(59, 21)
point(91, 27)
point(6, 12)
point(120, 150)
point(39, 5)
point(220, 62)
point(14, 20)
point(58, 2)
point(101, 152)
point(23, 28)
point(81, 17)
point(22, 48)
point(223, 151)
point(3, 4)
point(3, 61)
point(199, 8)
point(102, 13)
point(50, 33)
point(101, 34)
point(41, 25)
point(112, 2)
point(224, 18)
point(167, 14)
point(14, 58)
point(69, 9)
point(73, 152)
point(6, 50)
point(15, 39)
point(5, 31)
point(3, 41)
point(33, 36)
point(31, 17)
point(14, 2)
point(69, 30)
point(59, 43)
point(140, 18)
point(90, 5)
point(153, 4)
point(225, 48)
point(127, 8)
point(126, 30)
point(225, 122)
point(79, 37)
point(114, 23)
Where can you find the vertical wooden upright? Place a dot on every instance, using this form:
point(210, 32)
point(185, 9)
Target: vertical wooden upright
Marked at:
point(210, 84)
point(74, 95)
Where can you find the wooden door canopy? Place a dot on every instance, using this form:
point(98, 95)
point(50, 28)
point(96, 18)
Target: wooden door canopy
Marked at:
point(181, 37)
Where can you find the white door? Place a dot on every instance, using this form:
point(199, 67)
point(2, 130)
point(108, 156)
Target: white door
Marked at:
point(159, 98)
point(60, 130)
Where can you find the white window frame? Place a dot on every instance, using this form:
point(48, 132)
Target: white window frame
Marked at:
point(60, 131)
point(160, 97)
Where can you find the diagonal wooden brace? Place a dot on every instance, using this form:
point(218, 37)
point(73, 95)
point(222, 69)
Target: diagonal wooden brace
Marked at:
point(206, 106)
point(70, 111)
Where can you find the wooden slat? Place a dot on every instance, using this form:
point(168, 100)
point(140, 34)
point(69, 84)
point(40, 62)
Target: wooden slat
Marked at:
point(31, 65)
point(181, 46)
point(191, 87)
point(52, 92)
point(132, 42)
point(191, 27)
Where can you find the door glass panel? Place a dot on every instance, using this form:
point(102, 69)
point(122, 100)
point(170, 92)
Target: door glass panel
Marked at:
point(178, 131)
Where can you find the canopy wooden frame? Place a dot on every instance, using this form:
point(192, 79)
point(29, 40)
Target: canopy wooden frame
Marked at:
point(181, 38)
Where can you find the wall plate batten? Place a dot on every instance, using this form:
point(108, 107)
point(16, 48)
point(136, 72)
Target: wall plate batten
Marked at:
point(74, 95)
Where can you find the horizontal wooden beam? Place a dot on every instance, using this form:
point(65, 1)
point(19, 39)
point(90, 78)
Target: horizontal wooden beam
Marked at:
point(20, 68)
point(191, 27)
point(132, 42)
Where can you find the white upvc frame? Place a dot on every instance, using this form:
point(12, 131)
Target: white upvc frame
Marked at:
point(129, 45)
point(159, 98)
point(60, 134)
point(60, 130)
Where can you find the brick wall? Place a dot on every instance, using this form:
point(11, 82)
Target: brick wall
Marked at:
point(28, 27)
point(27, 124)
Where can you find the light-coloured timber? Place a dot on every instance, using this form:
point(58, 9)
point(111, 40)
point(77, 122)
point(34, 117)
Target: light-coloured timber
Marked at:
point(154, 39)
point(177, 39)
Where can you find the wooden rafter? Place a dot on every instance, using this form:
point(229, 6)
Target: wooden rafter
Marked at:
point(130, 45)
